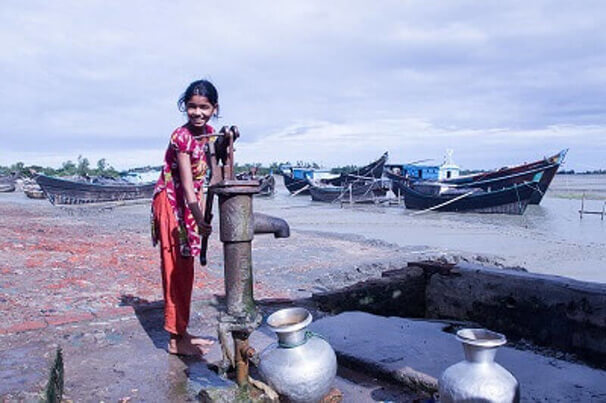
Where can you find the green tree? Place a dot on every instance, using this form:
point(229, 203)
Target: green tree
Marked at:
point(83, 168)
point(101, 166)
point(18, 168)
point(67, 168)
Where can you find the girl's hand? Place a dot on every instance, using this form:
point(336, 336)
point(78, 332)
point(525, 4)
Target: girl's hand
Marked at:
point(205, 229)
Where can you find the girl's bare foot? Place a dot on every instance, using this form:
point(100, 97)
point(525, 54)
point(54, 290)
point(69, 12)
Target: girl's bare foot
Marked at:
point(182, 345)
point(199, 341)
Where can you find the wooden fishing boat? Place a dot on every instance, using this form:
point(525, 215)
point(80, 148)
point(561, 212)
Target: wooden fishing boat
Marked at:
point(438, 196)
point(372, 170)
point(7, 183)
point(32, 189)
point(62, 191)
point(541, 172)
point(297, 179)
point(267, 183)
point(295, 185)
point(355, 192)
point(505, 177)
point(7, 187)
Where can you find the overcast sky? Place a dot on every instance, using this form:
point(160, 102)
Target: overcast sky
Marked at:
point(335, 82)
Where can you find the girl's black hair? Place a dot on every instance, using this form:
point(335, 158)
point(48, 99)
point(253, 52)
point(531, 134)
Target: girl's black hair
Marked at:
point(204, 88)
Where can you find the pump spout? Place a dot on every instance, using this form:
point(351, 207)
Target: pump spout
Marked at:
point(266, 224)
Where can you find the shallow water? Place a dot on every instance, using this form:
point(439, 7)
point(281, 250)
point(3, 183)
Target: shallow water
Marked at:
point(549, 238)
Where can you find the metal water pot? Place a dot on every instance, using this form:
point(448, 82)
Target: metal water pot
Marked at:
point(301, 365)
point(478, 378)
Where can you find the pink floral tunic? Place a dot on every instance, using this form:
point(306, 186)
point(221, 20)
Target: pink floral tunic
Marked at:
point(183, 141)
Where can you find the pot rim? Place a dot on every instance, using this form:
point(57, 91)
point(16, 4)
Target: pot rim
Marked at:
point(297, 319)
point(481, 337)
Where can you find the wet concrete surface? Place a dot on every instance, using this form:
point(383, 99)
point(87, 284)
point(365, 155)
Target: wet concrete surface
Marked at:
point(420, 350)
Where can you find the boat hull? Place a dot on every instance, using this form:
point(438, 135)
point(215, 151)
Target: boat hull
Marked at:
point(7, 183)
point(513, 200)
point(267, 186)
point(507, 177)
point(61, 191)
point(7, 187)
point(295, 185)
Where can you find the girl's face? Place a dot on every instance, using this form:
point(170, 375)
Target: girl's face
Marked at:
point(199, 111)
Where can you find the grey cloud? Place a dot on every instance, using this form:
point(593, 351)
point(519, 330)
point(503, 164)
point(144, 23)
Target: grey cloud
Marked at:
point(85, 70)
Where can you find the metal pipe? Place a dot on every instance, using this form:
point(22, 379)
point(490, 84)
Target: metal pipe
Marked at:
point(266, 224)
point(243, 353)
point(238, 279)
point(237, 227)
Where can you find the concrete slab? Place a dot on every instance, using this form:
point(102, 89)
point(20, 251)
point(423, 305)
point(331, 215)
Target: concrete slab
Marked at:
point(421, 350)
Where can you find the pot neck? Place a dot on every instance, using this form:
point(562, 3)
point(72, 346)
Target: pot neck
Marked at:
point(292, 339)
point(479, 354)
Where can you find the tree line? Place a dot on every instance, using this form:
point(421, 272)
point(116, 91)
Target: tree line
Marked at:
point(81, 167)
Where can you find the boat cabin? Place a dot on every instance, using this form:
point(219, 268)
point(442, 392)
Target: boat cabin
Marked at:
point(414, 171)
point(448, 170)
point(307, 173)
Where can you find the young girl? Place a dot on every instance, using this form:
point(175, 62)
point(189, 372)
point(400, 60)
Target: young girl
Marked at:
point(178, 221)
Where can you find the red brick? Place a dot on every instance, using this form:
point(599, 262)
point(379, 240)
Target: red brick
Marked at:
point(24, 327)
point(57, 320)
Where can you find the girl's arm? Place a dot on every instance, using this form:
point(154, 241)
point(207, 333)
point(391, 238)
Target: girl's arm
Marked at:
point(187, 181)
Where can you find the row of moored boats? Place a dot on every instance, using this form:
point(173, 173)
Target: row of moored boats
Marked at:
point(99, 189)
point(507, 190)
